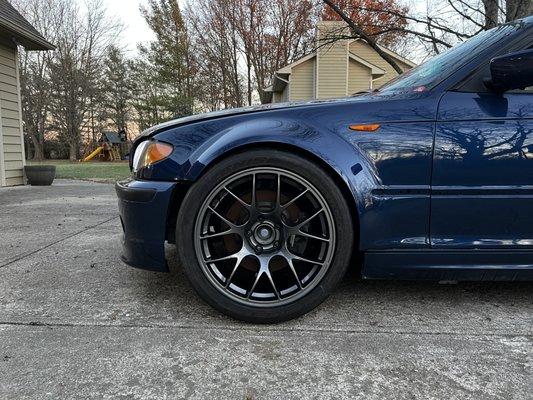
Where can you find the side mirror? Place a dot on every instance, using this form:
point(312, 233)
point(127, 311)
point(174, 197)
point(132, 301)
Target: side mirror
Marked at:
point(511, 71)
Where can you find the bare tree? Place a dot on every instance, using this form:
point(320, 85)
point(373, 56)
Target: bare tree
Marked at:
point(218, 52)
point(36, 90)
point(443, 23)
point(76, 68)
point(274, 33)
point(373, 17)
point(515, 9)
point(360, 33)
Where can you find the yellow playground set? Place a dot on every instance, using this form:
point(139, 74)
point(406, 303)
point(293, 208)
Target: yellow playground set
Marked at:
point(111, 147)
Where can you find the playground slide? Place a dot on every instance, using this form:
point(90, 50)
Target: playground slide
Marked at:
point(93, 154)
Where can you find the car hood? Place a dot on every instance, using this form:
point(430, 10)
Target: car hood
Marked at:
point(236, 111)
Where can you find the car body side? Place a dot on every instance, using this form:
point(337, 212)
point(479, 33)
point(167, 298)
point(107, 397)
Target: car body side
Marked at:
point(386, 175)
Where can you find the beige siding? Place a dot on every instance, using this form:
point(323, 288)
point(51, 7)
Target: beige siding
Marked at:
point(13, 148)
point(332, 70)
point(6, 61)
point(364, 51)
point(303, 81)
point(13, 165)
point(12, 156)
point(10, 139)
point(359, 78)
point(9, 105)
point(7, 53)
point(14, 181)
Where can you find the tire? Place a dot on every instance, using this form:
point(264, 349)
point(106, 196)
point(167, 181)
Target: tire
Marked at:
point(255, 171)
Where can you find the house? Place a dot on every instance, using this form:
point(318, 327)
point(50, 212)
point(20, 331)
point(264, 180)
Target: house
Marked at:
point(14, 31)
point(338, 68)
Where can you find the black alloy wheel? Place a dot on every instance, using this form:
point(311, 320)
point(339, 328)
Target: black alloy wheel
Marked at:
point(265, 236)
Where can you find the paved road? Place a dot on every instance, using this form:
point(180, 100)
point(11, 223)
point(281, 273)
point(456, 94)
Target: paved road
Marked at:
point(76, 323)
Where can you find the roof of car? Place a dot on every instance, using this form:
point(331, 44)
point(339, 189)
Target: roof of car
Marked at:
point(14, 25)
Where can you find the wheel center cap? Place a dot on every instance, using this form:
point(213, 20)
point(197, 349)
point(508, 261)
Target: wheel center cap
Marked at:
point(265, 233)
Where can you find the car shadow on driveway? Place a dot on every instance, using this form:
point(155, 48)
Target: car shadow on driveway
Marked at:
point(358, 305)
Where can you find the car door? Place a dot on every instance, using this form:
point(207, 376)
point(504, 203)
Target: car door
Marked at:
point(482, 181)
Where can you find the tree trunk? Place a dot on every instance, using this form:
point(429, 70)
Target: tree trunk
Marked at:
point(73, 151)
point(491, 13)
point(515, 9)
point(262, 96)
point(249, 79)
point(38, 151)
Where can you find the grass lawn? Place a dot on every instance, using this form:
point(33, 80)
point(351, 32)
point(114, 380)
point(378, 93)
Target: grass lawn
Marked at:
point(92, 171)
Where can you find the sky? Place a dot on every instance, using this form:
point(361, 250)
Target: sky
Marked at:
point(135, 28)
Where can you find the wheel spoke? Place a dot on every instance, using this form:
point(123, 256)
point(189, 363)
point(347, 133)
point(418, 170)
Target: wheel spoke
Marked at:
point(245, 204)
point(269, 276)
point(256, 281)
point(230, 273)
point(301, 224)
point(308, 235)
point(214, 235)
point(226, 221)
point(303, 259)
point(278, 193)
point(237, 265)
point(230, 257)
point(254, 183)
point(295, 199)
point(291, 266)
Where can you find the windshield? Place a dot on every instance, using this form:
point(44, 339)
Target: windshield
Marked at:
point(427, 75)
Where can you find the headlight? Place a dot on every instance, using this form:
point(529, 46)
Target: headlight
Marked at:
point(150, 152)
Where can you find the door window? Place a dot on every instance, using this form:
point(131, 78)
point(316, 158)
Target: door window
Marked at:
point(474, 84)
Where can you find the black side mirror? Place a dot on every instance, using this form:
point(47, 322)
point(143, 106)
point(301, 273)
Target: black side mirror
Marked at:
point(511, 71)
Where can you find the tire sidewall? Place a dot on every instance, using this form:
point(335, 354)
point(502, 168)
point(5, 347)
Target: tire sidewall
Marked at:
point(264, 158)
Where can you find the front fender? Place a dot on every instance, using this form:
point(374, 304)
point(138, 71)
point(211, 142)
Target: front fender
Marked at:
point(344, 159)
point(383, 215)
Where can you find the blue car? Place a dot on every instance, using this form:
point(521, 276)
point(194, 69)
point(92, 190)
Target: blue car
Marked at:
point(430, 177)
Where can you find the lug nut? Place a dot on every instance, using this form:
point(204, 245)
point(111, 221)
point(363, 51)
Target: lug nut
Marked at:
point(276, 244)
point(249, 233)
point(259, 249)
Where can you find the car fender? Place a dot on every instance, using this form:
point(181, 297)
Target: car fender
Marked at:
point(344, 159)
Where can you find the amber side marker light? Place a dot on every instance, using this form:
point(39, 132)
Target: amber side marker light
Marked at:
point(157, 152)
point(365, 128)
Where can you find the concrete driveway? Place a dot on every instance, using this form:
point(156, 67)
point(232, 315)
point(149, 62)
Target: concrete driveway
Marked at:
point(76, 323)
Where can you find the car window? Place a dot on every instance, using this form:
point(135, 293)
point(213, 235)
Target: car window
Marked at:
point(475, 82)
point(428, 75)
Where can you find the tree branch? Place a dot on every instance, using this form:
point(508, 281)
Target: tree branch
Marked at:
point(363, 35)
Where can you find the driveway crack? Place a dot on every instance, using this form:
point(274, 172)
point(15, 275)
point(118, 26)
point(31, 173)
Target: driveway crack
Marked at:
point(25, 255)
point(527, 337)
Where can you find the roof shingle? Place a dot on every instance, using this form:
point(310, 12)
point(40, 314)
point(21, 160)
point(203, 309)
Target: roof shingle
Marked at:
point(13, 24)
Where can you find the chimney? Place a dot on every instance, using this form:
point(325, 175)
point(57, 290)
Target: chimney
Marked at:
point(332, 59)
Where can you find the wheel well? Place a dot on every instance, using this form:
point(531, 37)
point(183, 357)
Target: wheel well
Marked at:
point(341, 184)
